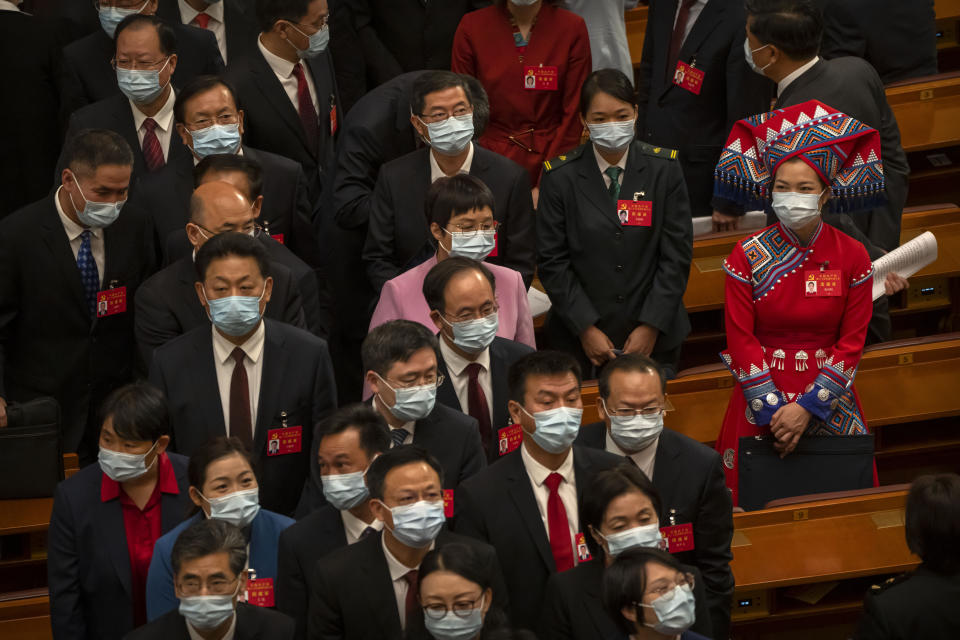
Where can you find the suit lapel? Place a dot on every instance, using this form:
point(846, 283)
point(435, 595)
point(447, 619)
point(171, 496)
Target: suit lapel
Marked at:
point(113, 537)
point(273, 91)
point(205, 386)
point(498, 382)
point(56, 240)
point(518, 486)
point(275, 357)
point(581, 471)
point(633, 178)
point(667, 472)
point(710, 16)
point(445, 392)
point(381, 597)
point(593, 188)
point(127, 127)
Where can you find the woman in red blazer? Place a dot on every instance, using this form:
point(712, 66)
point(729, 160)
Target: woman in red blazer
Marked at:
point(532, 59)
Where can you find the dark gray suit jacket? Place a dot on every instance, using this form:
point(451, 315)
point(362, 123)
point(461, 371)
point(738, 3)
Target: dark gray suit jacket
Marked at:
point(253, 623)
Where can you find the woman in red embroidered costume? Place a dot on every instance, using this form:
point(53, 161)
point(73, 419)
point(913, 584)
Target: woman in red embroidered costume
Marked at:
point(798, 293)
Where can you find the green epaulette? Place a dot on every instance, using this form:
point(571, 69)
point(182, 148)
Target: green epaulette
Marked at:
point(659, 152)
point(559, 161)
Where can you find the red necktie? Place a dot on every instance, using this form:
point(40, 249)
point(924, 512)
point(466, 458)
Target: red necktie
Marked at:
point(202, 20)
point(152, 152)
point(477, 403)
point(240, 401)
point(679, 29)
point(559, 527)
point(412, 603)
point(308, 115)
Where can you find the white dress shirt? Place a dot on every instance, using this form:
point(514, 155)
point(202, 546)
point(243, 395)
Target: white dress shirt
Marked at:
point(229, 635)
point(783, 84)
point(644, 458)
point(164, 120)
point(409, 426)
point(283, 69)
point(215, 25)
point(604, 165)
point(397, 571)
point(567, 490)
point(457, 368)
point(695, 9)
point(354, 527)
point(74, 231)
point(436, 172)
point(253, 363)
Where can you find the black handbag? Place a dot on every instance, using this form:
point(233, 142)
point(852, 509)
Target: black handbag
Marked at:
point(31, 455)
point(819, 464)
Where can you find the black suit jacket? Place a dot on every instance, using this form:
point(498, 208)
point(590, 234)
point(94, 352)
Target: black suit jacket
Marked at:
point(399, 231)
point(921, 604)
point(239, 25)
point(498, 506)
point(49, 344)
point(354, 598)
point(689, 477)
point(503, 353)
point(697, 125)
point(88, 564)
point(253, 623)
point(88, 77)
point(167, 305)
point(297, 379)
point(271, 122)
point(898, 38)
point(301, 546)
point(453, 438)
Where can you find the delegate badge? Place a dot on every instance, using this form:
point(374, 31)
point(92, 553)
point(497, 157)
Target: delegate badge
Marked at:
point(541, 78)
point(822, 284)
point(510, 438)
point(635, 213)
point(284, 440)
point(687, 77)
point(679, 537)
point(111, 301)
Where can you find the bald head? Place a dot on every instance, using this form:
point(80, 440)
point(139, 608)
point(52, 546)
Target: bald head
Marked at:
point(218, 207)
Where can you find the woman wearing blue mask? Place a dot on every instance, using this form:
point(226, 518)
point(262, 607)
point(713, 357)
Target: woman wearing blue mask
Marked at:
point(650, 597)
point(223, 485)
point(620, 508)
point(614, 237)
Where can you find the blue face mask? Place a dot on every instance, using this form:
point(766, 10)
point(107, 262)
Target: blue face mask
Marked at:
point(634, 433)
point(95, 215)
point(476, 245)
point(217, 138)
point(613, 136)
point(453, 627)
point(412, 403)
point(142, 86)
point(474, 336)
point(417, 525)
point(110, 17)
point(676, 615)
point(121, 467)
point(318, 43)
point(238, 508)
point(235, 315)
point(556, 429)
point(748, 54)
point(647, 536)
point(451, 136)
point(345, 490)
point(207, 612)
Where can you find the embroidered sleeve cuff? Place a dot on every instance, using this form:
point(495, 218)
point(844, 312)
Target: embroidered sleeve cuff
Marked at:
point(822, 398)
point(862, 278)
point(736, 275)
point(763, 398)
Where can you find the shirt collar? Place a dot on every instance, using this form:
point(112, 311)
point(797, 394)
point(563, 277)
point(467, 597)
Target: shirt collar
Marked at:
point(166, 481)
point(456, 364)
point(538, 473)
point(355, 527)
point(641, 458)
point(409, 426)
point(281, 67)
point(163, 118)
point(783, 84)
point(397, 568)
point(253, 347)
point(604, 165)
point(229, 635)
point(188, 13)
point(436, 172)
point(72, 228)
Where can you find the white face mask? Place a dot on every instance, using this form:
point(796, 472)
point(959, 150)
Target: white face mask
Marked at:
point(796, 210)
point(748, 54)
point(238, 508)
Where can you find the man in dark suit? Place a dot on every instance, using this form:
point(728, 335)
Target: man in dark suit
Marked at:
point(209, 123)
point(256, 380)
point(231, 23)
point(87, 76)
point(287, 90)
point(143, 118)
point(400, 359)
point(527, 504)
point(461, 294)
point(58, 258)
point(348, 442)
point(368, 590)
point(209, 559)
point(687, 474)
point(898, 38)
point(398, 236)
point(695, 118)
point(167, 302)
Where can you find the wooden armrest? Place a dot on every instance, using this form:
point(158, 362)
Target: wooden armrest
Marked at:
point(835, 495)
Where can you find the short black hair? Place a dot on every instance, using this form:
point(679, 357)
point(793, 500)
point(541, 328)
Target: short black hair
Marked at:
point(395, 341)
point(231, 243)
point(432, 81)
point(456, 195)
point(371, 428)
point(210, 452)
point(137, 411)
point(481, 105)
point(793, 26)
point(605, 487)
point(630, 362)
point(625, 582)
point(539, 363)
point(269, 11)
point(206, 537)
point(397, 457)
point(440, 275)
point(200, 84)
point(610, 81)
point(932, 522)
point(91, 149)
point(231, 163)
point(168, 39)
